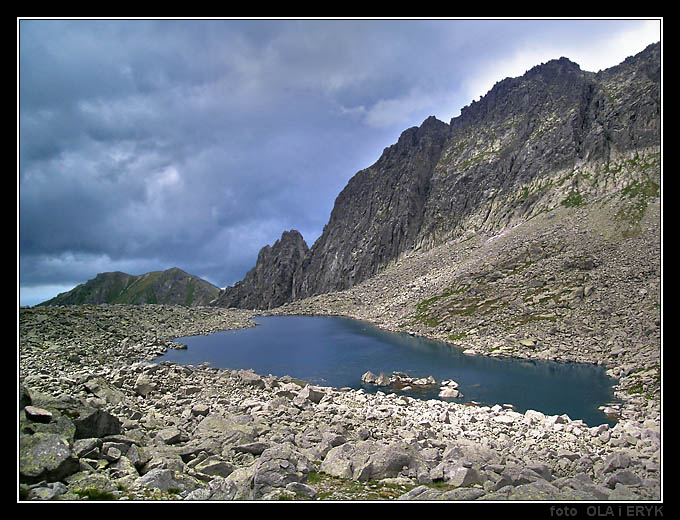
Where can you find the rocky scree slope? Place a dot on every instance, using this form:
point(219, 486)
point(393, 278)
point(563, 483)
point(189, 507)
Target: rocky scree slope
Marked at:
point(553, 137)
point(172, 286)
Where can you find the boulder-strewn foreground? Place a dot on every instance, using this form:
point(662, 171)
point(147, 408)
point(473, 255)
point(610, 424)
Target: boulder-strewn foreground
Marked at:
point(99, 421)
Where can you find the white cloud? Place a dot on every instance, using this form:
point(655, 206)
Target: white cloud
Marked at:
point(398, 111)
point(613, 51)
point(194, 144)
point(167, 178)
point(591, 53)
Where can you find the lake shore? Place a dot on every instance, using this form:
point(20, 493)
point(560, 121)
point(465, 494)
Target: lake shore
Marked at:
point(170, 432)
point(343, 352)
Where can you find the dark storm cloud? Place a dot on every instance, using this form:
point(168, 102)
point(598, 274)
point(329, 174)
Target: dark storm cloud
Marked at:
point(147, 144)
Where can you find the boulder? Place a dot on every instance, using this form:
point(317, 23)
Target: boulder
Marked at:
point(144, 385)
point(615, 461)
point(94, 422)
point(449, 393)
point(226, 430)
point(215, 466)
point(368, 460)
point(39, 415)
point(251, 378)
point(309, 394)
point(278, 467)
point(217, 489)
point(422, 493)
point(456, 474)
point(159, 478)
point(45, 456)
point(378, 380)
point(169, 435)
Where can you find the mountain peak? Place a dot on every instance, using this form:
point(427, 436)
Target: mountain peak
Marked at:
point(506, 158)
point(556, 66)
point(172, 286)
point(270, 283)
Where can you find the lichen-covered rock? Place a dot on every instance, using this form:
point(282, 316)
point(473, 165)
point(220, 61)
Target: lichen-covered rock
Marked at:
point(45, 456)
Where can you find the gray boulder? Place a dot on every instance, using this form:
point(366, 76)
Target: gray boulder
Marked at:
point(368, 460)
point(514, 475)
point(217, 489)
point(251, 378)
point(216, 432)
point(455, 474)
point(215, 466)
point(159, 478)
point(309, 394)
point(616, 461)
point(94, 422)
point(144, 385)
point(422, 493)
point(278, 467)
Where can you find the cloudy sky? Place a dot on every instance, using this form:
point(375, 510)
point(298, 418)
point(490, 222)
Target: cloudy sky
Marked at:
point(150, 144)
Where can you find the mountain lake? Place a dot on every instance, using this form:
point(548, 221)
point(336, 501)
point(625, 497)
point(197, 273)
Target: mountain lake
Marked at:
point(336, 352)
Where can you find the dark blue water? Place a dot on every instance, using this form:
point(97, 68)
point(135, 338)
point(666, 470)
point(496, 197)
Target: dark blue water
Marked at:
point(333, 351)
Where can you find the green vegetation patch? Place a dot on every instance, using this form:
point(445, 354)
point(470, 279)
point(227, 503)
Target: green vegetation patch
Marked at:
point(635, 198)
point(189, 299)
point(93, 493)
point(573, 200)
point(335, 488)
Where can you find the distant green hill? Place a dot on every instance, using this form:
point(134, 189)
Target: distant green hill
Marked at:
point(171, 287)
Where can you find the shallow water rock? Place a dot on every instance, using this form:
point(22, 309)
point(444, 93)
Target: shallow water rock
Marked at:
point(449, 393)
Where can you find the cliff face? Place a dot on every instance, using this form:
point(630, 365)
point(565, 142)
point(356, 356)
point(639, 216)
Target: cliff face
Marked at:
point(377, 215)
point(556, 136)
point(171, 287)
point(537, 141)
point(270, 283)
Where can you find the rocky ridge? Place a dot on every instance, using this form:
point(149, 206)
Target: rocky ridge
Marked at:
point(555, 136)
point(577, 284)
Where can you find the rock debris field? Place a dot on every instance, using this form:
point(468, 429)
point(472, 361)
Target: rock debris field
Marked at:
point(99, 421)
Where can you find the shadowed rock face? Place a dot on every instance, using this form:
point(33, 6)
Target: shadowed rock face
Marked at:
point(377, 215)
point(270, 283)
point(531, 144)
